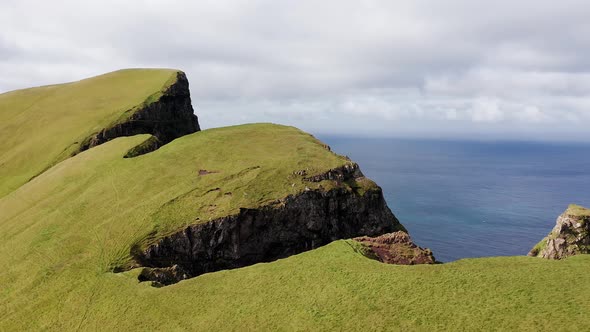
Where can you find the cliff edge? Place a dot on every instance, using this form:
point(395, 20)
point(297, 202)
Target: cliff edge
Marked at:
point(338, 204)
point(42, 126)
point(569, 237)
point(166, 114)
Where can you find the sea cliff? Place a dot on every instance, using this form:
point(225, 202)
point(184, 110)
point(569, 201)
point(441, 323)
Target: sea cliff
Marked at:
point(569, 237)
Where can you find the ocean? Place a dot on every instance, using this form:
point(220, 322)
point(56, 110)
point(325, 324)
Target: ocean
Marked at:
point(474, 199)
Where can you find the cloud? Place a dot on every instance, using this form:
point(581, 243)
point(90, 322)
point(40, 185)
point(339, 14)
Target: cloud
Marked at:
point(420, 68)
point(486, 110)
point(533, 114)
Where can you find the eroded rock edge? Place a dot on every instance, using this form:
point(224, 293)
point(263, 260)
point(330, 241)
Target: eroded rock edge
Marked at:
point(169, 117)
point(285, 227)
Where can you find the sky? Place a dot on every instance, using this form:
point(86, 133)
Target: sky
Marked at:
point(459, 69)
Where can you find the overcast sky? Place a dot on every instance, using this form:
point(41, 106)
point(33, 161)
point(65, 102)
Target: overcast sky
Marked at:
point(442, 69)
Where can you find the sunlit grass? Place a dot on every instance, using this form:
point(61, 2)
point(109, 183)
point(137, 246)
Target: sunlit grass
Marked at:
point(578, 211)
point(61, 234)
point(42, 126)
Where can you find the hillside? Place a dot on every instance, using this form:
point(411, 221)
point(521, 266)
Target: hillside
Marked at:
point(83, 243)
point(77, 223)
point(41, 126)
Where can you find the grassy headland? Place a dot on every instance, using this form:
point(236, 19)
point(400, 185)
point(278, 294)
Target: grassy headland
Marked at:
point(42, 126)
point(62, 234)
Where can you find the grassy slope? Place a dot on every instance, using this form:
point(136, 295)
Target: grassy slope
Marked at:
point(40, 126)
point(61, 234)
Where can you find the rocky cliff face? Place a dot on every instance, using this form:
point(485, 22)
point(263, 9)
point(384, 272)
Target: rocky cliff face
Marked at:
point(570, 236)
point(285, 227)
point(395, 248)
point(169, 117)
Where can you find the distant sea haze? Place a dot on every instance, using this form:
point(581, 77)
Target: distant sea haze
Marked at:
point(474, 199)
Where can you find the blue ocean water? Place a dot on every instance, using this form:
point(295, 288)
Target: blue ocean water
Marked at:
point(474, 199)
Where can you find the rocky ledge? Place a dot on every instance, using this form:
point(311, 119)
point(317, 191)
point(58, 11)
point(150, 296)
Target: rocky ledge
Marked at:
point(570, 236)
point(285, 227)
point(395, 248)
point(169, 117)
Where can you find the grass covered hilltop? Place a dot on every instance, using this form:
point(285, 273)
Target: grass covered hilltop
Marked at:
point(73, 220)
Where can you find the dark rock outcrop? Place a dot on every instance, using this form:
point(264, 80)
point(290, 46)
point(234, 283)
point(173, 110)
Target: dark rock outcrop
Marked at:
point(395, 248)
point(289, 226)
point(149, 145)
point(169, 117)
point(570, 236)
point(343, 173)
point(163, 276)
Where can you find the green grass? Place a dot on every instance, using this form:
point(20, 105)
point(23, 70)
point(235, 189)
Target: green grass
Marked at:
point(578, 211)
point(42, 126)
point(62, 233)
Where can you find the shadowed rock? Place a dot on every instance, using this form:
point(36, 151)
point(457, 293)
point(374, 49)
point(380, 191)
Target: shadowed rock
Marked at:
point(285, 227)
point(169, 117)
point(163, 276)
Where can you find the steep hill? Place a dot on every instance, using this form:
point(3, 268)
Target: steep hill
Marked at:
point(42, 126)
point(86, 218)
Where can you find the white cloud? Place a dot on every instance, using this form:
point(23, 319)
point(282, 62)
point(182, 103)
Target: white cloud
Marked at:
point(532, 114)
point(486, 110)
point(412, 67)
